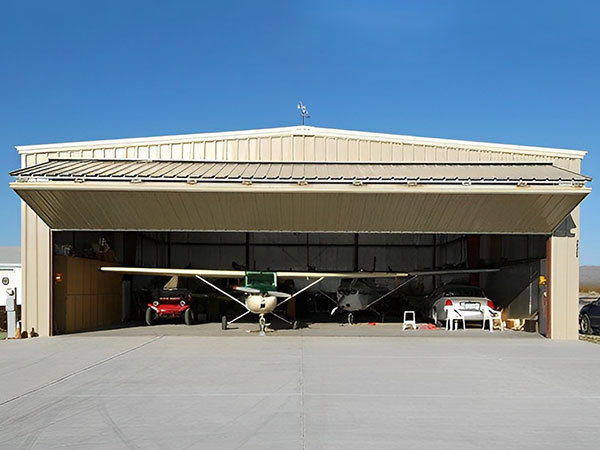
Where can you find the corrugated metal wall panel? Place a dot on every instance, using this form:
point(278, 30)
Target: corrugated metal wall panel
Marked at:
point(301, 146)
point(35, 260)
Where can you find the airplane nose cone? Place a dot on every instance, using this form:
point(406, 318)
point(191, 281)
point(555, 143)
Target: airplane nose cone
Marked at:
point(260, 305)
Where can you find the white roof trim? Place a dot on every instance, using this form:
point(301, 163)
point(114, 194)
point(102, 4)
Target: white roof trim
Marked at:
point(295, 188)
point(303, 131)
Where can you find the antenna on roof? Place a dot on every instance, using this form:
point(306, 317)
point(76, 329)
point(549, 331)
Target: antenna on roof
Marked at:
point(303, 111)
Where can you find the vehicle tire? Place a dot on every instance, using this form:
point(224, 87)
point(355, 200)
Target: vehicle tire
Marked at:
point(151, 317)
point(188, 316)
point(224, 322)
point(585, 326)
point(295, 325)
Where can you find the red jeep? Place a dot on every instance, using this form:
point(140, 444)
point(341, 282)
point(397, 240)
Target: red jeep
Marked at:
point(171, 303)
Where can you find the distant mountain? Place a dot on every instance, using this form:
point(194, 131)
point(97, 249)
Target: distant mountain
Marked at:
point(10, 255)
point(589, 278)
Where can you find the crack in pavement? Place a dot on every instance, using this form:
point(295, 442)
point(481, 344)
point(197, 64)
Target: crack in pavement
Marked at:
point(77, 372)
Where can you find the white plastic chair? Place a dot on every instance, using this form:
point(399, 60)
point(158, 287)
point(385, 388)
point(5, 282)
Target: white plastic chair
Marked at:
point(452, 316)
point(409, 322)
point(489, 316)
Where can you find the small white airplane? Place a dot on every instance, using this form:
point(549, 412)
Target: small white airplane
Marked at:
point(360, 294)
point(261, 287)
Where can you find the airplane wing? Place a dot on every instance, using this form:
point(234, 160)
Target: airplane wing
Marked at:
point(452, 271)
point(175, 272)
point(240, 273)
point(363, 274)
point(284, 275)
point(351, 275)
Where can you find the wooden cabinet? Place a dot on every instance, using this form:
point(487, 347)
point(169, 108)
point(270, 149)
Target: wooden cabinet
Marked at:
point(84, 298)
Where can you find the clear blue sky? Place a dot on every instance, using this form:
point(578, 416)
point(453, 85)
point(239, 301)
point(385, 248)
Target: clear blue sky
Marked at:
point(522, 72)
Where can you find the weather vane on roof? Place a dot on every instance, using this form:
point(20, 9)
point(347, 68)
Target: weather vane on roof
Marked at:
point(303, 111)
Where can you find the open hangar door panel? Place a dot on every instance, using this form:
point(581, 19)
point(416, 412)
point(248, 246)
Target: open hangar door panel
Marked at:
point(466, 197)
point(83, 300)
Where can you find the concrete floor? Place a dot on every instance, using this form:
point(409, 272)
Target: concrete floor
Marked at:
point(419, 390)
point(175, 328)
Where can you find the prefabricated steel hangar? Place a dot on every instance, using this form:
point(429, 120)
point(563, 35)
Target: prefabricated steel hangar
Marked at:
point(296, 198)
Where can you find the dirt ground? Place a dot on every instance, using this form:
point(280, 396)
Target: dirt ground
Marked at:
point(590, 338)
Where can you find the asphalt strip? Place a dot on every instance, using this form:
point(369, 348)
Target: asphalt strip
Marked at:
point(77, 372)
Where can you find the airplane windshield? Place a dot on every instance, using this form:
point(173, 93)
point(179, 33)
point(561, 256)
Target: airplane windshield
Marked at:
point(464, 292)
point(261, 279)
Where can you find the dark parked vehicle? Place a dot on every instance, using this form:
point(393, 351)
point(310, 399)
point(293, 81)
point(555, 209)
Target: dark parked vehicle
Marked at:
point(589, 318)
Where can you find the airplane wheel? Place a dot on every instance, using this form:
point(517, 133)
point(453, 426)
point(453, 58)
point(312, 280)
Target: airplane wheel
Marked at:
point(150, 317)
point(188, 316)
point(224, 323)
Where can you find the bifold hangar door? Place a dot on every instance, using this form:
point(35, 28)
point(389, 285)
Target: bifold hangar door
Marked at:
point(524, 198)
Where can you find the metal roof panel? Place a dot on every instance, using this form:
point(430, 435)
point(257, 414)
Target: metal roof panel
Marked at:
point(321, 172)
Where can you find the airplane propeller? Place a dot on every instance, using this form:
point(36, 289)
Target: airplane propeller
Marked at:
point(247, 290)
point(251, 290)
point(278, 294)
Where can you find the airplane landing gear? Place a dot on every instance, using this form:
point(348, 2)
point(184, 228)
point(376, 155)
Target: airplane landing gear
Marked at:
point(224, 323)
point(350, 318)
point(262, 323)
point(188, 317)
point(380, 314)
point(151, 317)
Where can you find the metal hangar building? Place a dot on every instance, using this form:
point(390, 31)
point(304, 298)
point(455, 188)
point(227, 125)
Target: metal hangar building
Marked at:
point(296, 198)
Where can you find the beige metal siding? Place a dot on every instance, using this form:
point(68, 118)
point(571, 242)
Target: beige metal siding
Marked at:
point(35, 260)
point(564, 285)
point(564, 281)
point(292, 145)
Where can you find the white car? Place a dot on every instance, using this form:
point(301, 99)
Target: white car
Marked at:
point(468, 301)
